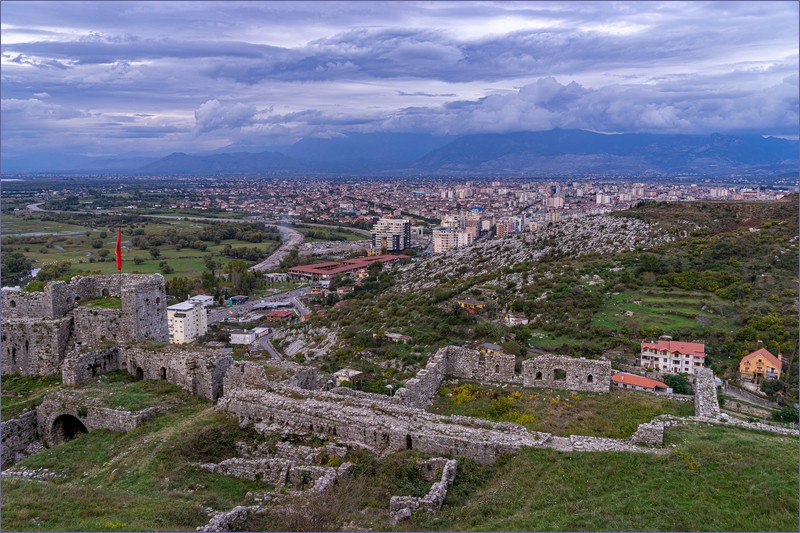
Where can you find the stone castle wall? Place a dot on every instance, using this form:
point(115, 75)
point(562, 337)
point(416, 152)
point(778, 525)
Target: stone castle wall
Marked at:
point(19, 434)
point(465, 363)
point(706, 404)
point(96, 326)
point(375, 423)
point(578, 374)
point(38, 327)
point(198, 372)
point(78, 368)
point(34, 347)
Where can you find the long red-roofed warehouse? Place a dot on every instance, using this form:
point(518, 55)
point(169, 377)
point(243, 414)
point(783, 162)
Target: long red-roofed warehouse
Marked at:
point(330, 269)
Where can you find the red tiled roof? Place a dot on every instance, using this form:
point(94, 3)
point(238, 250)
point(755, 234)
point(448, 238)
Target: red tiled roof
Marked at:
point(279, 313)
point(763, 352)
point(639, 381)
point(695, 349)
point(335, 267)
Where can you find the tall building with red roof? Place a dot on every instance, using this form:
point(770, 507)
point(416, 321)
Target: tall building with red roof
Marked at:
point(760, 366)
point(674, 357)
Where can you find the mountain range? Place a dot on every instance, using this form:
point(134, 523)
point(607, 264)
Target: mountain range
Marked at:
point(540, 153)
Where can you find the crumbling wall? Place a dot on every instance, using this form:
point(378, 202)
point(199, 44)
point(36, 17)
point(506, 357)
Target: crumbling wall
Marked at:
point(88, 411)
point(375, 423)
point(471, 364)
point(706, 404)
point(419, 390)
point(650, 433)
point(200, 373)
point(53, 302)
point(401, 507)
point(20, 438)
point(567, 373)
point(78, 368)
point(34, 347)
point(97, 326)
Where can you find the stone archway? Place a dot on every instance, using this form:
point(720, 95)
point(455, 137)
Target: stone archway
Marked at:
point(65, 428)
point(139, 373)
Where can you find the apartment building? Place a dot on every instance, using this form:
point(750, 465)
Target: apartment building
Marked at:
point(673, 357)
point(187, 321)
point(391, 234)
point(449, 239)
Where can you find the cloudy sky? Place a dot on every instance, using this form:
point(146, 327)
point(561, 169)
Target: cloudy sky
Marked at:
point(101, 78)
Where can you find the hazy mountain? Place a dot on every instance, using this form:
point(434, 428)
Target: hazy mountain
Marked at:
point(179, 163)
point(570, 151)
point(366, 151)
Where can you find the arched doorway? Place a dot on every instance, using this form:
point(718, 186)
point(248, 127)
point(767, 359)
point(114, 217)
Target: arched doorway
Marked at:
point(163, 373)
point(139, 373)
point(66, 428)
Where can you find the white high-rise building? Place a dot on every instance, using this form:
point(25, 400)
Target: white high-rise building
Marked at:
point(187, 321)
point(448, 239)
point(393, 234)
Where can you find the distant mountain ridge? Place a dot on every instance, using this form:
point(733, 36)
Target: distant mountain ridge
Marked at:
point(537, 153)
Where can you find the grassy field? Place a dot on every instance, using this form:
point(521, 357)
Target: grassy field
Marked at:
point(715, 479)
point(21, 393)
point(76, 248)
point(616, 414)
point(15, 225)
point(331, 234)
point(144, 480)
point(667, 309)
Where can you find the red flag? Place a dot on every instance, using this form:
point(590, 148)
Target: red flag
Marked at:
point(119, 249)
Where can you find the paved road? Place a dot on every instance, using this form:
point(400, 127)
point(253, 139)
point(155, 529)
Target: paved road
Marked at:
point(358, 231)
point(34, 207)
point(218, 315)
point(291, 239)
point(266, 344)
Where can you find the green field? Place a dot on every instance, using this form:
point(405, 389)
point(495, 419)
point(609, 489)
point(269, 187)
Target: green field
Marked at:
point(317, 234)
point(666, 309)
point(21, 393)
point(15, 225)
point(715, 479)
point(616, 414)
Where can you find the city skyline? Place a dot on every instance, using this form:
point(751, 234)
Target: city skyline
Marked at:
point(107, 78)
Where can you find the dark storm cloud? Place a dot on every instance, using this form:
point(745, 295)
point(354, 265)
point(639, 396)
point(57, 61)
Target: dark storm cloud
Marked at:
point(195, 75)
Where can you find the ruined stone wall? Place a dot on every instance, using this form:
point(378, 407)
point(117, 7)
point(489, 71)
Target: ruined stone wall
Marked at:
point(471, 364)
point(97, 326)
point(201, 373)
point(419, 390)
point(88, 411)
point(401, 507)
point(376, 423)
point(246, 375)
point(578, 374)
point(53, 302)
point(34, 347)
point(19, 435)
point(145, 305)
point(78, 368)
point(706, 403)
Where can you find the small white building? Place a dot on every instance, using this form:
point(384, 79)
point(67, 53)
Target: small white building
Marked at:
point(187, 321)
point(515, 320)
point(346, 374)
point(202, 299)
point(243, 336)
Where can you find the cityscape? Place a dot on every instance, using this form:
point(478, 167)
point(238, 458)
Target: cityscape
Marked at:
point(400, 266)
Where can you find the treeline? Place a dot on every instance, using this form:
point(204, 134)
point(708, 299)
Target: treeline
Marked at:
point(255, 232)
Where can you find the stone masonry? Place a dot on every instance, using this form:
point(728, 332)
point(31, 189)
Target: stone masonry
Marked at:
point(401, 507)
point(40, 328)
point(19, 437)
point(706, 404)
point(465, 363)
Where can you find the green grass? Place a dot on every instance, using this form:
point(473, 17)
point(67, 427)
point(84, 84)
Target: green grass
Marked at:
point(716, 479)
point(21, 393)
point(120, 390)
point(15, 225)
point(667, 309)
point(136, 481)
point(616, 414)
point(103, 302)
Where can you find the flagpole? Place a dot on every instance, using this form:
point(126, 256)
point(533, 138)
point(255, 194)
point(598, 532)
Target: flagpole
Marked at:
point(119, 259)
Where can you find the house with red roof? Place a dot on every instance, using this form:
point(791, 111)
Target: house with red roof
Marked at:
point(760, 366)
point(623, 380)
point(674, 357)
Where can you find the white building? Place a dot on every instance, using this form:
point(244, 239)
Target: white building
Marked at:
point(187, 321)
point(391, 234)
point(673, 357)
point(449, 238)
point(243, 336)
point(202, 299)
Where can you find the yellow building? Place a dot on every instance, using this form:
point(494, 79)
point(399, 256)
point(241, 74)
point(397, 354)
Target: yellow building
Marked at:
point(760, 366)
point(471, 304)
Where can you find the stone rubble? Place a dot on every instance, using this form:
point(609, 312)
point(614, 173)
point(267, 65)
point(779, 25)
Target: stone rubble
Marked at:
point(402, 507)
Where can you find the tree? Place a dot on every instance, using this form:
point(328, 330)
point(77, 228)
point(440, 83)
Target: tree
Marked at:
point(155, 253)
point(14, 266)
point(138, 260)
point(165, 268)
point(103, 252)
point(677, 382)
